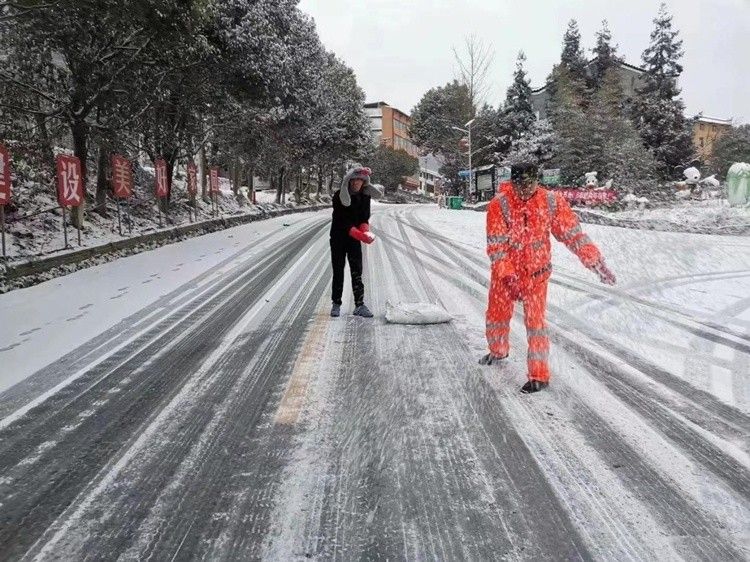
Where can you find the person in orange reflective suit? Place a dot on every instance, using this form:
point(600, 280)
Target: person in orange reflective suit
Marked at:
point(519, 221)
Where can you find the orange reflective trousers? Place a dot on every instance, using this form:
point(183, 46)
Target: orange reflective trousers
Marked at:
point(518, 245)
point(499, 312)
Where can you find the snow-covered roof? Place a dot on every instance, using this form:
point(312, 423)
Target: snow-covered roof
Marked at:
point(714, 120)
point(623, 64)
point(378, 104)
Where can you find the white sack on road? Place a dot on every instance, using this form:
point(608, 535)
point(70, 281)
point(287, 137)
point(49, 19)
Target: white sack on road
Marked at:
point(415, 313)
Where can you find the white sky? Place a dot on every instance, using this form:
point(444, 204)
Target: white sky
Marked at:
point(401, 48)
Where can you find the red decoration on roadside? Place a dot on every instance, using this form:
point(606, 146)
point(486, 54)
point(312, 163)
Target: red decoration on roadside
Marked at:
point(69, 181)
point(192, 178)
point(5, 180)
point(214, 180)
point(122, 177)
point(575, 195)
point(161, 178)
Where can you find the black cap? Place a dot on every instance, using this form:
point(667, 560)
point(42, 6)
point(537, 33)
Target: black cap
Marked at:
point(520, 173)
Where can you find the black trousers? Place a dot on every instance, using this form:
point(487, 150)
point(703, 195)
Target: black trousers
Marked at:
point(343, 248)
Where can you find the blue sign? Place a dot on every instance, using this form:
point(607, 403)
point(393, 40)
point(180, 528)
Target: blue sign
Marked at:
point(463, 174)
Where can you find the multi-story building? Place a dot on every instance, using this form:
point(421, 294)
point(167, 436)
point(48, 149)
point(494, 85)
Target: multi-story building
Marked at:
point(390, 127)
point(430, 178)
point(706, 130)
point(631, 78)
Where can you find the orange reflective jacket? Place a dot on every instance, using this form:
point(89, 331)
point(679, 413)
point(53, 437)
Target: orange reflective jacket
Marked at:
point(518, 232)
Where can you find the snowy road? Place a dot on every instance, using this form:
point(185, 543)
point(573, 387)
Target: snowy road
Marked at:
point(198, 402)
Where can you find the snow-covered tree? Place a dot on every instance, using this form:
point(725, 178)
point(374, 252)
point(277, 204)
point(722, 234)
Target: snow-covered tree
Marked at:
point(517, 113)
point(658, 111)
point(572, 125)
point(390, 166)
point(573, 57)
point(538, 145)
point(433, 119)
point(571, 70)
point(605, 56)
point(731, 147)
point(631, 165)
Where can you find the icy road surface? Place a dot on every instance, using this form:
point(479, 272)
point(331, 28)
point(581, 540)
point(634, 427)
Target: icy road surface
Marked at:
point(197, 402)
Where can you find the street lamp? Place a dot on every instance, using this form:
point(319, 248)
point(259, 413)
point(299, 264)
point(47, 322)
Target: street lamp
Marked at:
point(468, 132)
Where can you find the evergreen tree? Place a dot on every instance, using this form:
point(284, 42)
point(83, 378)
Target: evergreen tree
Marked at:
point(572, 126)
point(631, 165)
point(605, 56)
point(659, 112)
point(486, 133)
point(538, 145)
point(517, 113)
point(390, 166)
point(573, 57)
point(731, 147)
point(433, 119)
point(572, 66)
point(616, 150)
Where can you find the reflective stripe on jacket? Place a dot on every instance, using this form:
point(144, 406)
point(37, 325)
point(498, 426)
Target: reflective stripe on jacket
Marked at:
point(518, 234)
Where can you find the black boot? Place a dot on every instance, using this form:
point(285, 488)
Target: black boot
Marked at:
point(491, 359)
point(533, 386)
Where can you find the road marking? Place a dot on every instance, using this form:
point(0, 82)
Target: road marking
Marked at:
point(307, 360)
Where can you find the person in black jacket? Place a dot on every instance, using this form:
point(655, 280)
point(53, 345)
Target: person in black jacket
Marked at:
point(349, 227)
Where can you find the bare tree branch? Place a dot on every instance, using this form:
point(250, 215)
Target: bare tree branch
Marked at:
point(8, 78)
point(91, 102)
point(22, 10)
point(473, 69)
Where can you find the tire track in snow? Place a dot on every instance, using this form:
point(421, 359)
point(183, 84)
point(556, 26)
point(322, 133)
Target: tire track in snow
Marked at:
point(90, 352)
point(64, 470)
point(634, 392)
point(141, 351)
point(493, 457)
point(723, 419)
point(659, 495)
point(604, 294)
point(218, 450)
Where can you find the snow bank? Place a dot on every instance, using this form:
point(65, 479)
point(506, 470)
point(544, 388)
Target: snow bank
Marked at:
point(713, 216)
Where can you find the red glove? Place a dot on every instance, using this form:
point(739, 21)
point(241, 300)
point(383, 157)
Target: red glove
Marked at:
point(357, 234)
point(364, 227)
point(605, 274)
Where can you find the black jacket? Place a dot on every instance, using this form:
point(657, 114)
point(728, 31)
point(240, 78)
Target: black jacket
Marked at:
point(346, 217)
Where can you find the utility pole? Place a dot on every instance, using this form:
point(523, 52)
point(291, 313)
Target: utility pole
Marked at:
point(467, 130)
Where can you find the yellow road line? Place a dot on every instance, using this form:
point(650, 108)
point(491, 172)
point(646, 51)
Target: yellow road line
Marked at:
point(304, 367)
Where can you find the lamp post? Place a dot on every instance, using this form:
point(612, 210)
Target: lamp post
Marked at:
point(467, 130)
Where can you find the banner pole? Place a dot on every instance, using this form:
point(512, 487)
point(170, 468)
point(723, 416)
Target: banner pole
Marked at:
point(2, 225)
point(65, 228)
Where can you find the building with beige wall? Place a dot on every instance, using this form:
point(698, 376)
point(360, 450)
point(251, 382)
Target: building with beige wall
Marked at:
point(390, 127)
point(706, 131)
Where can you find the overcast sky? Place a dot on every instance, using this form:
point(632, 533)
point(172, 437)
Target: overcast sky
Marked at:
point(401, 48)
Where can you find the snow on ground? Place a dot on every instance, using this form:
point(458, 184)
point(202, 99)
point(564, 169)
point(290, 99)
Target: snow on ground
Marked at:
point(711, 216)
point(704, 278)
point(44, 322)
point(246, 428)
